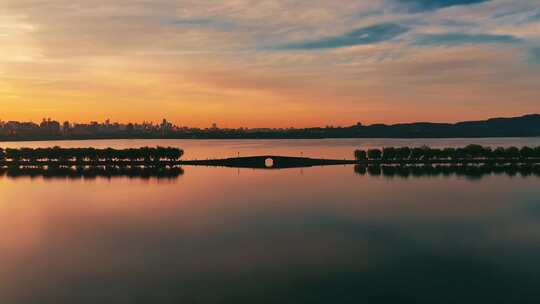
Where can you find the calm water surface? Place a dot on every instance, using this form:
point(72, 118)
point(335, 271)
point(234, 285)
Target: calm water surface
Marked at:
point(313, 235)
point(329, 148)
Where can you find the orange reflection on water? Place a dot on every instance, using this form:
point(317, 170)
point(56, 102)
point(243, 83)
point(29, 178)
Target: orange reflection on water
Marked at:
point(64, 240)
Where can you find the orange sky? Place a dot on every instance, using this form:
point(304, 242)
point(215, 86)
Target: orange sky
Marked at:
point(262, 64)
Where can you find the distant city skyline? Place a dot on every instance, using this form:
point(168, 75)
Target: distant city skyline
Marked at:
point(216, 125)
point(246, 63)
point(48, 129)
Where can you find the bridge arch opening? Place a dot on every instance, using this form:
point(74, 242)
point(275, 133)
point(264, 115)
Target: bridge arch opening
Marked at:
point(269, 162)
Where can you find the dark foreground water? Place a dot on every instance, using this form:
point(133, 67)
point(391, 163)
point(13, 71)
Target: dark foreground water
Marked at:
point(313, 235)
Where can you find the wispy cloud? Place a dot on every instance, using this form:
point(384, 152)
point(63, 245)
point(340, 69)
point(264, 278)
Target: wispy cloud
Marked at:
point(463, 38)
point(366, 35)
point(203, 23)
point(535, 17)
point(431, 5)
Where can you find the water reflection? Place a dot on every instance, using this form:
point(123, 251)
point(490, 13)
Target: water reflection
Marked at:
point(270, 236)
point(468, 171)
point(91, 172)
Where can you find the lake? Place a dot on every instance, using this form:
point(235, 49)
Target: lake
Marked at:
point(306, 235)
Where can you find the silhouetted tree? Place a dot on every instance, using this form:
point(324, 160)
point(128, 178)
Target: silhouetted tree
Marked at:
point(174, 153)
point(448, 153)
point(360, 155)
point(537, 152)
point(389, 153)
point(470, 152)
point(474, 151)
point(417, 153)
point(526, 152)
point(403, 153)
point(430, 153)
point(374, 154)
point(487, 152)
point(499, 152)
point(512, 152)
point(82, 154)
point(13, 154)
point(460, 153)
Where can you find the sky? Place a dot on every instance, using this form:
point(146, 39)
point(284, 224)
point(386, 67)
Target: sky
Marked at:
point(276, 63)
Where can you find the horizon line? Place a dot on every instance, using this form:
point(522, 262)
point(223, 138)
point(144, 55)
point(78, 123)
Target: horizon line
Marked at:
point(216, 125)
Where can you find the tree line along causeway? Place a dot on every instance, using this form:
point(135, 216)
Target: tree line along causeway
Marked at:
point(154, 156)
point(470, 153)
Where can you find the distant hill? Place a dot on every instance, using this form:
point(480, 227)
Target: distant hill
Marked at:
point(524, 126)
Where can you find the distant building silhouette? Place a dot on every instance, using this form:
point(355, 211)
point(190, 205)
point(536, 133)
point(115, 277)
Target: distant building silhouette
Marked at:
point(528, 125)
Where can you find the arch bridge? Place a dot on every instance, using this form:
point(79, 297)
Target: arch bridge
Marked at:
point(268, 162)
